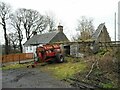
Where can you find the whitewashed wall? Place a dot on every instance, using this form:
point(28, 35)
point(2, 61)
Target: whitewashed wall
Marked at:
point(29, 49)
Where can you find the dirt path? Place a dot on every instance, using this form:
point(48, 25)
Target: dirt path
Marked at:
point(30, 78)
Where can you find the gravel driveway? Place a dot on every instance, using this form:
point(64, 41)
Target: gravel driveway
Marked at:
point(30, 78)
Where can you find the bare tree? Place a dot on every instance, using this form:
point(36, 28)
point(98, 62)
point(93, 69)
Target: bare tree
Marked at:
point(16, 22)
point(86, 28)
point(13, 39)
point(32, 21)
point(51, 22)
point(75, 37)
point(4, 14)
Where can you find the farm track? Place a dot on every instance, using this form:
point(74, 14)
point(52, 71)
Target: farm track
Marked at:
point(30, 78)
point(35, 78)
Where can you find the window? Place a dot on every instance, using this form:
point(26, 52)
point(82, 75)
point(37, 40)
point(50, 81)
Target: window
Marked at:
point(26, 48)
point(30, 47)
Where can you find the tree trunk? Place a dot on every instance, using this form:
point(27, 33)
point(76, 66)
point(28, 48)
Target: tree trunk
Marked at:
point(20, 40)
point(28, 34)
point(21, 49)
point(5, 37)
point(14, 46)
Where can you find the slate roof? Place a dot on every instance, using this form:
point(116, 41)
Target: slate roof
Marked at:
point(46, 38)
point(98, 31)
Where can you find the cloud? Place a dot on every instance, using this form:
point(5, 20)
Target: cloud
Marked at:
point(68, 11)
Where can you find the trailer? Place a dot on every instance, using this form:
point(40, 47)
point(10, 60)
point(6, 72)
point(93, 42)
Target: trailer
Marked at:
point(49, 53)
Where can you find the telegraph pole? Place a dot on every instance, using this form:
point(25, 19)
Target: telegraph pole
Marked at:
point(115, 26)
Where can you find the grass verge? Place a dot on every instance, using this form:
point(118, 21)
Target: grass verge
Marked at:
point(65, 70)
point(14, 66)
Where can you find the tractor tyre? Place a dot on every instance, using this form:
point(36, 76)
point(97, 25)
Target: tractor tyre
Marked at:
point(59, 58)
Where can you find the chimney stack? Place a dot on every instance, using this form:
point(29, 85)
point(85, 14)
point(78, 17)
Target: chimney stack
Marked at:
point(60, 28)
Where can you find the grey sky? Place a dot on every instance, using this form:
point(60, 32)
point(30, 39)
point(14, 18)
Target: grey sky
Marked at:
point(67, 12)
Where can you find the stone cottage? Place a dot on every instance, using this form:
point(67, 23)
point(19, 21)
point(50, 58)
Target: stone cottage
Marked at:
point(100, 35)
point(51, 37)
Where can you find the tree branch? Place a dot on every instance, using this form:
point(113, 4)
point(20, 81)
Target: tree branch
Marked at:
point(1, 23)
point(91, 70)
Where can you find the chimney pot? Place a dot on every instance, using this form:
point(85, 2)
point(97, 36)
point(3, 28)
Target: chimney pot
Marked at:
point(60, 28)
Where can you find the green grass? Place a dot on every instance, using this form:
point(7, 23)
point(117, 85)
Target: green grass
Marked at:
point(65, 70)
point(13, 66)
point(107, 85)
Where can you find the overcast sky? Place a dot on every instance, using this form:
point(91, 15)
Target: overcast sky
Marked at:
point(67, 12)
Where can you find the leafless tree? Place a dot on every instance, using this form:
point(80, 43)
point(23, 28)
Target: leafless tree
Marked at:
point(86, 28)
point(13, 39)
point(51, 22)
point(75, 37)
point(4, 14)
point(16, 22)
point(32, 20)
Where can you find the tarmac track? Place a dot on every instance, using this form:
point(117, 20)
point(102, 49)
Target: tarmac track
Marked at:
point(30, 78)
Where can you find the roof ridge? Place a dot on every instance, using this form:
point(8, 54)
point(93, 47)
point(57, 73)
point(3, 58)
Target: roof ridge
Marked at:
point(98, 30)
point(101, 27)
point(48, 33)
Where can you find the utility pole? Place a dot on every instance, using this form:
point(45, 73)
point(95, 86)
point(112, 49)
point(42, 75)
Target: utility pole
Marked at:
point(115, 27)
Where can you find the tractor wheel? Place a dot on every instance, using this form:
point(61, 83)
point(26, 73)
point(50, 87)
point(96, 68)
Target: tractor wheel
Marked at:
point(59, 58)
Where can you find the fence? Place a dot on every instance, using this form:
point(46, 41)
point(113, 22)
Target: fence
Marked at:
point(16, 57)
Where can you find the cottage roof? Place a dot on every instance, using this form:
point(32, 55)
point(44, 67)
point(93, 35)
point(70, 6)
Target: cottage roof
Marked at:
point(46, 38)
point(98, 31)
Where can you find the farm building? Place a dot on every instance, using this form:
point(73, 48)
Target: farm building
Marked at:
point(74, 49)
point(51, 37)
point(100, 35)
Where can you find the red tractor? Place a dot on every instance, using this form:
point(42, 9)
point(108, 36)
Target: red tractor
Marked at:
point(48, 53)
